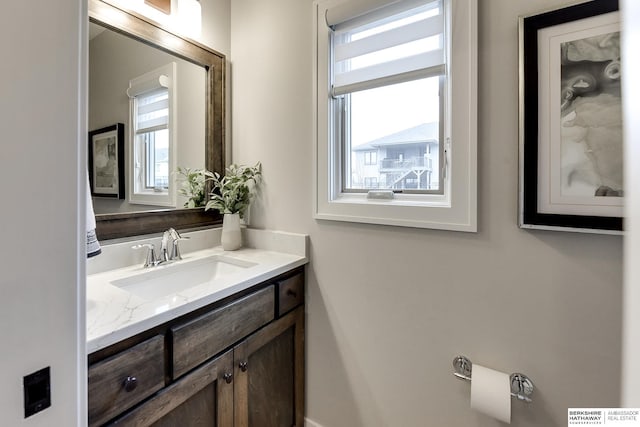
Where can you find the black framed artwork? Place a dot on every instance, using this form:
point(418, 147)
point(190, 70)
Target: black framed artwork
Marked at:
point(571, 158)
point(106, 162)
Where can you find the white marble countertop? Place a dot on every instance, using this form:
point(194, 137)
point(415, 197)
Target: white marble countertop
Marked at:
point(113, 314)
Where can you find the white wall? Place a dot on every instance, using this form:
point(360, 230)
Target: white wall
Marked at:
point(41, 258)
point(631, 347)
point(389, 308)
point(216, 25)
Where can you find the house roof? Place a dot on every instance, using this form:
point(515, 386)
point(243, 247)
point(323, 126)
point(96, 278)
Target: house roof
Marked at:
point(421, 134)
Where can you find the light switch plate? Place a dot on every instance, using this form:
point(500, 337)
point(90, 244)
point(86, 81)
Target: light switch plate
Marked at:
point(37, 391)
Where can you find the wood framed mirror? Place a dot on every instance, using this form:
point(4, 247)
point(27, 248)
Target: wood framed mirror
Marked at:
point(119, 225)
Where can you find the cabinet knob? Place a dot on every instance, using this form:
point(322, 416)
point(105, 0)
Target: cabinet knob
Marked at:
point(291, 293)
point(243, 366)
point(228, 377)
point(130, 384)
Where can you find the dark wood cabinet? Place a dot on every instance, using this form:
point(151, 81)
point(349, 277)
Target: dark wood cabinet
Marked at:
point(124, 379)
point(198, 340)
point(238, 362)
point(202, 398)
point(269, 372)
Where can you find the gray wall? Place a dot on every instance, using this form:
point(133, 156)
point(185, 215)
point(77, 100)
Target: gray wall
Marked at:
point(389, 308)
point(43, 151)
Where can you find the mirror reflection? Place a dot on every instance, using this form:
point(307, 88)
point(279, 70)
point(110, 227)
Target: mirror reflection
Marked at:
point(160, 99)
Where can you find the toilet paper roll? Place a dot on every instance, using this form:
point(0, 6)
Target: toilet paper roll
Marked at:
point(491, 393)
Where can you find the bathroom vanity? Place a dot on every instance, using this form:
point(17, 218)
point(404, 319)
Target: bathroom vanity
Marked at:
point(226, 352)
point(215, 338)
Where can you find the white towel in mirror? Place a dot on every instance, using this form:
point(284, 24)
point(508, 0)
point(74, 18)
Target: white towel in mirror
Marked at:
point(93, 246)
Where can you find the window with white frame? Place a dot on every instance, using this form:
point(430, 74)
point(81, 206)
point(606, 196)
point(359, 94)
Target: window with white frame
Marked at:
point(399, 77)
point(152, 97)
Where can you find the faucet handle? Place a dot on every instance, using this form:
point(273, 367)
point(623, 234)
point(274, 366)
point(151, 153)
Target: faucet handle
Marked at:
point(151, 259)
point(175, 249)
point(166, 250)
point(170, 252)
point(173, 233)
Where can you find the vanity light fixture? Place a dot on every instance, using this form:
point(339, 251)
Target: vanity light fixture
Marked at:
point(181, 16)
point(163, 6)
point(190, 17)
point(155, 10)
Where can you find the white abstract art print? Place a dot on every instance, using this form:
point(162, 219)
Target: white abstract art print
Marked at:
point(571, 119)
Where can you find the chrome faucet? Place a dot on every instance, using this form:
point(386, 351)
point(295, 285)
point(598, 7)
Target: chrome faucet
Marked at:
point(169, 249)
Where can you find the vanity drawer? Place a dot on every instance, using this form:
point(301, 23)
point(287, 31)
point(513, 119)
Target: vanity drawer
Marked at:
point(204, 337)
point(290, 293)
point(125, 379)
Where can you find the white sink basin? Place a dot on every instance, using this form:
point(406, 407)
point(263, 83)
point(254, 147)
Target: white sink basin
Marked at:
point(173, 278)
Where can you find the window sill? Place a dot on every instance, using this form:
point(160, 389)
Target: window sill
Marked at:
point(415, 211)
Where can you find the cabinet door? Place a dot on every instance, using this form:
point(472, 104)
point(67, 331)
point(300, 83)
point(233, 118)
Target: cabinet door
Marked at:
point(269, 375)
point(204, 397)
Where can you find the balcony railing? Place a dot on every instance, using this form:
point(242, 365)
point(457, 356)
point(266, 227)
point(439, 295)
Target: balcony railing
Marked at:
point(412, 163)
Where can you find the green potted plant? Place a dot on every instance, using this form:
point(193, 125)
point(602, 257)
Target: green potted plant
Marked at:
point(193, 186)
point(231, 196)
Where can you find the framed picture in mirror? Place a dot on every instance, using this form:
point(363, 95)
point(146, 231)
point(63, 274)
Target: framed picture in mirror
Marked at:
point(571, 119)
point(106, 162)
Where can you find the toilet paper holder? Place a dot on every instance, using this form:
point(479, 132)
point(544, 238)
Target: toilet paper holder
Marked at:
point(521, 385)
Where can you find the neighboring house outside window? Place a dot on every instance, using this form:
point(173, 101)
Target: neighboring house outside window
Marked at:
point(409, 159)
point(371, 182)
point(371, 158)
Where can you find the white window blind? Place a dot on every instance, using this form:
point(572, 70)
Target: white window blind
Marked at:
point(151, 100)
point(392, 44)
point(152, 111)
point(152, 135)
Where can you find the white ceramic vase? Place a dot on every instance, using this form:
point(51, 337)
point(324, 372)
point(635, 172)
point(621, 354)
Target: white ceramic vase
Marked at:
point(231, 237)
